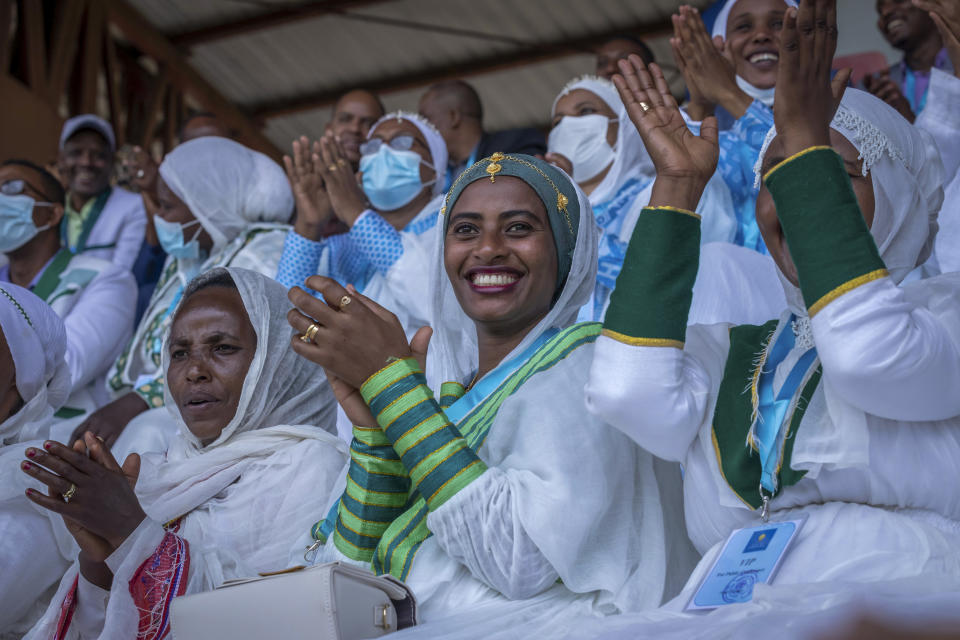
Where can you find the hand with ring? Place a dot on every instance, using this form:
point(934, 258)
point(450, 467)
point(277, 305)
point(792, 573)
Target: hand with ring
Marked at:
point(94, 494)
point(346, 196)
point(684, 162)
point(355, 338)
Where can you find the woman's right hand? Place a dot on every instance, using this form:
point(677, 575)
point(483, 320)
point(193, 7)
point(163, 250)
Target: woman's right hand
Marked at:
point(309, 192)
point(109, 421)
point(684, 162)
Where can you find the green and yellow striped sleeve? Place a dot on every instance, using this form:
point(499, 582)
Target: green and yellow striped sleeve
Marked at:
point(437, 457)
point(826, 233)
point(377, 491)
point(651, 301)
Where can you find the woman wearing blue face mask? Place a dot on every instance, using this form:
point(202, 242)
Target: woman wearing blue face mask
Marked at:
point(389, 206)
point(220, 204)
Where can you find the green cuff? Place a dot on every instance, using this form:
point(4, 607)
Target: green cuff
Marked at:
point(376, 494)
point(437, 457)
point(828, 237)
point(651, 301)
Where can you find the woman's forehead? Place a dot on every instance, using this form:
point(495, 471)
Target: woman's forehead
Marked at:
point(577, 97)
point(504, 194)
point(390, 129)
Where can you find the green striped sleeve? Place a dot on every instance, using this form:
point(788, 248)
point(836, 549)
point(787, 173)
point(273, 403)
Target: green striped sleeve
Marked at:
point(437, 457)
point(651, 301)
point(826, 233)
point(376, 494)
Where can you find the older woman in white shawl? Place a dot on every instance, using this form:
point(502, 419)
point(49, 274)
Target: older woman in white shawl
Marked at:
point(518, 498)
point(253, 464)
point(844, 410)
point(34, 383)
point(594, 141)
point(221, 204)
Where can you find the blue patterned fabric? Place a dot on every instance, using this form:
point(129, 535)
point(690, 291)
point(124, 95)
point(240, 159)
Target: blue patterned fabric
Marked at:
point(610, 216)
point(371, 246)
point(739, 150)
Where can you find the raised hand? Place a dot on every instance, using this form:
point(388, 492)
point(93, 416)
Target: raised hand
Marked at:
point(710, 76)
point(109, 421)
point(309, 192)
point(806, 98)
point(887, 90)
point(946, 15)
point(684, 161)
point(346, 196)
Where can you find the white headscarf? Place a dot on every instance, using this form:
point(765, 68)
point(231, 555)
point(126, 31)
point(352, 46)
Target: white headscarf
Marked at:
point(227, 186)
point(720, 29)
point(907, 175)
point(453, 347)
point(37, 341)
point(632, 159)
point(249, 494)
point(438, 148)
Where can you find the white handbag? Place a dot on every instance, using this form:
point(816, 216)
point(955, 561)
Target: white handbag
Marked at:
point(331, 601)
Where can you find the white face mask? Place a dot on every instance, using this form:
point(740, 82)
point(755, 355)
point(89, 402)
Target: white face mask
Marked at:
point(583, 141)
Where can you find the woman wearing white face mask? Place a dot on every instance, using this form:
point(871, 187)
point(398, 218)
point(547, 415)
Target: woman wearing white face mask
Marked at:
point(594, 141)
point(220, 204)
point(389, 211)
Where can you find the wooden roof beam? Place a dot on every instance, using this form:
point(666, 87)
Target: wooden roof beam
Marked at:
point(520, 57)
point(180, 74)
point(266, 20)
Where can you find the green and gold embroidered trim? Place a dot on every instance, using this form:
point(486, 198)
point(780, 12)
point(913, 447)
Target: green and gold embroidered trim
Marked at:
point(642, 342)
point(651, 301)
point(799, 154)
point(846, 287)
point(733, 416)
point(826, 233)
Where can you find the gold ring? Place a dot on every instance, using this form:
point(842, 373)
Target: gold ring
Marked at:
point(332, 167)
point(310, 333)
point(344, 301)
point(341, 162)
point(70, 493)
point(644, 106)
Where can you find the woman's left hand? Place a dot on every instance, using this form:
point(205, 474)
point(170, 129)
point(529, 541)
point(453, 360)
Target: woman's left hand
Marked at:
point(355, 336)
point(101, 497)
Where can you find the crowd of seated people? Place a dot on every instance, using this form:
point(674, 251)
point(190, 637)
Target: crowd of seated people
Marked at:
point(547, 379)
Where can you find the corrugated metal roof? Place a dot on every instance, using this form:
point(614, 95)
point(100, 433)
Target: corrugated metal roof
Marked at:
point(323, 53)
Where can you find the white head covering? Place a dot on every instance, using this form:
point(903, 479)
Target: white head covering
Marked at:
point(632, 159)
point(435, 142)
point(907, 175)
point(280, 387)
point(720, 29)
point(227, 186)
point(453, 347)
point(37, 341)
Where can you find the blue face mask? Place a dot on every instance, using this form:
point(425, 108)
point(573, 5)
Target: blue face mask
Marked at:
point(16, 221)
point(391, 178)
point(170, 235)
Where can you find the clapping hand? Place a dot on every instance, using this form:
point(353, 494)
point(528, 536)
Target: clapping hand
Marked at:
point(946, 15)
point(346, 196)
point(706, 67)
point(309, 192)
point(684, 161)
point(806, 97)
point(93, 494)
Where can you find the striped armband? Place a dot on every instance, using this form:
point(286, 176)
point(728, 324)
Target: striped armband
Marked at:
point(376, 494)
point(651, 301)
point(435, 454)
point(826, 233)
